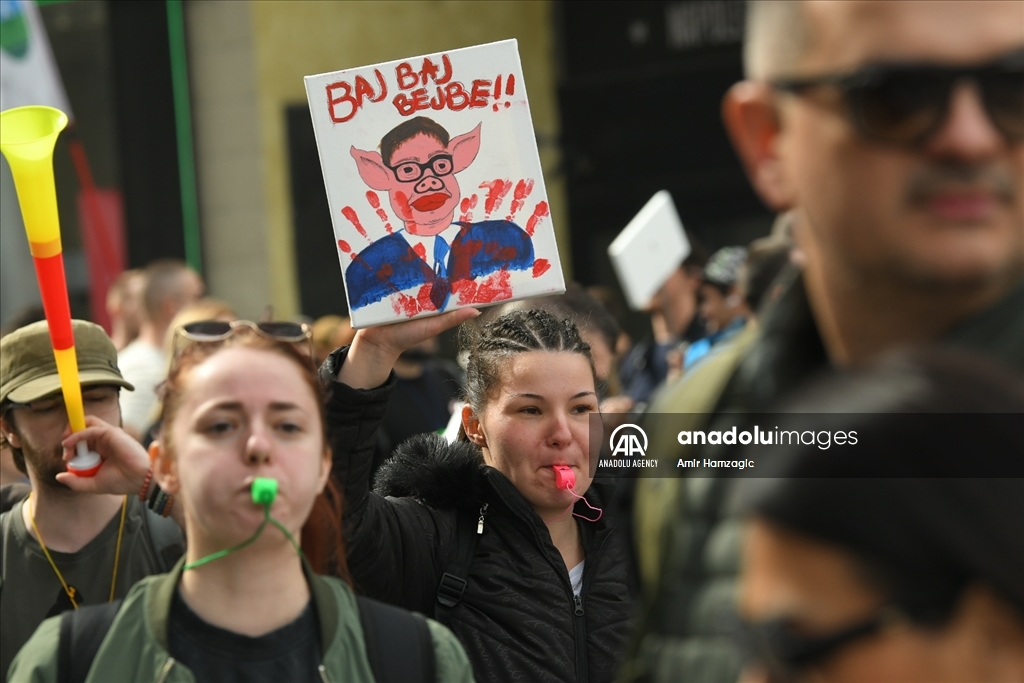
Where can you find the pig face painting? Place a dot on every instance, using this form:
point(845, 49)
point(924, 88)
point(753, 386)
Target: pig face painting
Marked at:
point(417, 167)
point(433, 254)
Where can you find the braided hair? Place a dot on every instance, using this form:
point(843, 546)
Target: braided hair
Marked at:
point(513, 333)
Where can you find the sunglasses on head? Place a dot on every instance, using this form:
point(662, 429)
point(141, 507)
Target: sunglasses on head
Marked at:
point(219, 330)
point(905, 103)
point(785, 653)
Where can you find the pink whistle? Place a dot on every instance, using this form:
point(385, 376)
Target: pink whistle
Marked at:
point(565, 478)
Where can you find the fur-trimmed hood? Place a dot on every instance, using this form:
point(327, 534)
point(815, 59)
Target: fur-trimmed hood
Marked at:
point(439, 474)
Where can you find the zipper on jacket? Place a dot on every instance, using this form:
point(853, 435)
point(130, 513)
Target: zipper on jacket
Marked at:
point(166, 670)
point(580, 639)
point(480, 522)
point(322, 670)
point(579, 623)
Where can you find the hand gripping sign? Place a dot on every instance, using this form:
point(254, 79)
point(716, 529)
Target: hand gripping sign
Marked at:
point(447, 139)
point(27, 137)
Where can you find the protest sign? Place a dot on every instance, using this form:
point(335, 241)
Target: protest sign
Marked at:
point(434, 183)
point(649, 250)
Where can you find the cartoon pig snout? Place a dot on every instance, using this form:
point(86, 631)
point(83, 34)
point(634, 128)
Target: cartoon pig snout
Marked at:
point(429, 184)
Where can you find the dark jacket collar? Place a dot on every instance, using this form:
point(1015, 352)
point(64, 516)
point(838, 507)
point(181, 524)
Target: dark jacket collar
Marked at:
point(434, 472)
point(997, 332)
point(453, 476)
point(790, 349)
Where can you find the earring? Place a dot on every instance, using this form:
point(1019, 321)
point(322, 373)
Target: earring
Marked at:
point(473, 437)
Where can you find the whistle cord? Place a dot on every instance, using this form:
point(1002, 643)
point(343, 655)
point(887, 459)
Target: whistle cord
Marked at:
point(117, 555)
point(71, 592)
point(599, 511)
point(572, 490)
point(252, 539)
point(284, 531)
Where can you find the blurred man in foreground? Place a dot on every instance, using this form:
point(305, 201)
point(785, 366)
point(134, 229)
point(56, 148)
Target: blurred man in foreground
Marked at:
point(896, 129)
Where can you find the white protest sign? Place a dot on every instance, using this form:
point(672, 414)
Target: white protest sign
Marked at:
point(434, 183)
point(649, 250)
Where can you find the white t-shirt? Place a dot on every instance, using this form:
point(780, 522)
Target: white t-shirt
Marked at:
point(576, 578)
point(145, 366)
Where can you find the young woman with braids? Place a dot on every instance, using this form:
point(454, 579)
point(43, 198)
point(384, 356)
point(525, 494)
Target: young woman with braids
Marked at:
point(546, 594)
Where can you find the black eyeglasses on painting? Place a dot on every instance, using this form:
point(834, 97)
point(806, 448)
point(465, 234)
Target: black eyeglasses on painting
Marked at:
point(411, 171)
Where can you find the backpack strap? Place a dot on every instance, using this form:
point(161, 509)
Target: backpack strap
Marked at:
point(81, 633)
point(468, 529)
point(12, 494)
point(167, 538)
point(5, 531)
point(398, 643)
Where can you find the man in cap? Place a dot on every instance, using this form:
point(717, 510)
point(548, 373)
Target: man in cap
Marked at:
point(60, 549)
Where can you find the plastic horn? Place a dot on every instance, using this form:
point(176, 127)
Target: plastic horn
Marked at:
point(27, 137)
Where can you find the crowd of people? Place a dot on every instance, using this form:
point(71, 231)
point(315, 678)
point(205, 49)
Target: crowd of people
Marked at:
point(287, 501)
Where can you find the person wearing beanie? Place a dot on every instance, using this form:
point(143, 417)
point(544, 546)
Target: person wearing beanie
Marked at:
point(61, 549)
point(722, 305)
point(902, 560)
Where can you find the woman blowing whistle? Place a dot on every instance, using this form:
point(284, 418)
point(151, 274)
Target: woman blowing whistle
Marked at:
point(242, 448)
point(499, 535)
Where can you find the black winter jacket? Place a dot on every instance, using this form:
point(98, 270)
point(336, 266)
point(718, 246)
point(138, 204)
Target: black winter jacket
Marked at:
point(518, 619)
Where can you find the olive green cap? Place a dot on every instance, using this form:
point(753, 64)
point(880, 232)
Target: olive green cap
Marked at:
point(28, 370)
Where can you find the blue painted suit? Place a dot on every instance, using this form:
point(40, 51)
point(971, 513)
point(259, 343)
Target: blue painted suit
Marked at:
point(390, 265)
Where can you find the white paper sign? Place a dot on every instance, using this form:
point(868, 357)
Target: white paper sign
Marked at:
point(649, 250)
point(434, 183)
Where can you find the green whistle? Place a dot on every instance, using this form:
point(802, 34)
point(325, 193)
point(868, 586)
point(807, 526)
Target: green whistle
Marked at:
point(264, 490)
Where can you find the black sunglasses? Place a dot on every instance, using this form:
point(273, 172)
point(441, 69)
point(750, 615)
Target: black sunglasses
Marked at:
point(905, 103)
point(411, 171)
point(785, 654)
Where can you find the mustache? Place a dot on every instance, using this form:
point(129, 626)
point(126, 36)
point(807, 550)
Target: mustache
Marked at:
point(936, 180)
